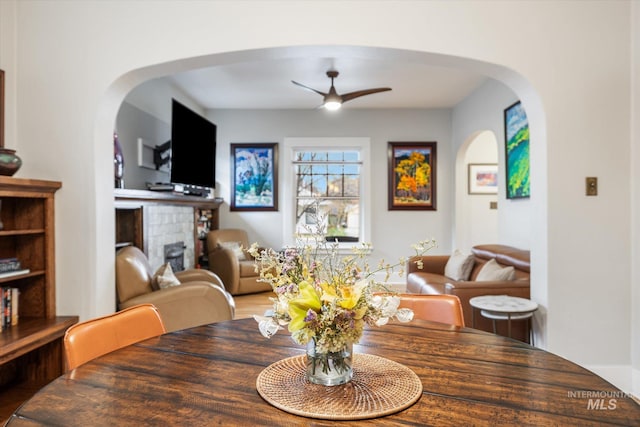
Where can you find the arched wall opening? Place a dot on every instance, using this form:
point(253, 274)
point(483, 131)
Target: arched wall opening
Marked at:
point(476, 208)
point(102, 293)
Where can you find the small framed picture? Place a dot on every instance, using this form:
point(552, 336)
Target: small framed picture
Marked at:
point(483, 178)
point(254, 179)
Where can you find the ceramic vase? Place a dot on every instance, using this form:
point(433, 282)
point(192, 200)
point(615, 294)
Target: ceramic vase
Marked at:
point(9, 162)
point(118, 163)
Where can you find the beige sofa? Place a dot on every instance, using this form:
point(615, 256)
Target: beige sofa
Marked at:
point(431, 279)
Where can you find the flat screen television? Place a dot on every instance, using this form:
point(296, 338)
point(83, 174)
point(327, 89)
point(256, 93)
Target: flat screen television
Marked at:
point(193, 148)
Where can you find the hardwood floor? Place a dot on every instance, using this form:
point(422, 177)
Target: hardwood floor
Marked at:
point(248, 305)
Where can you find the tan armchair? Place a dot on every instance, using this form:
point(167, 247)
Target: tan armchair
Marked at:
point(200, 298)
point(234, 265)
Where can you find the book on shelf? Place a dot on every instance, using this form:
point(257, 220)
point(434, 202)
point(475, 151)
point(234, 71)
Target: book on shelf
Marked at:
point(14, 273)
point(15, 297)
point(6, 315)
point(9, 307)
point(9, 264)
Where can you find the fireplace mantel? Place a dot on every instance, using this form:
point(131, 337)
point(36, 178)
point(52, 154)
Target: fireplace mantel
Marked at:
point(142, 219)
point(164, 197)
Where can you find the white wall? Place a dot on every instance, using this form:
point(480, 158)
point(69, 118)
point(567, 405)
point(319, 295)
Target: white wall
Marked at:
point(483, 110)
point(635, 196)
point(138, 130)
point(393, 231)
point(72, 63)
point(477, 222)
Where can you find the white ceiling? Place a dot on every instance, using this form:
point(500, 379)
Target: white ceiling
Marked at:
point(266, 84)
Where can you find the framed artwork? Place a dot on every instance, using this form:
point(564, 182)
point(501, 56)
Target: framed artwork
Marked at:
point(483, 178)
point(254, 177)
point(1, 108)
point(412, 176)
point(516, 131)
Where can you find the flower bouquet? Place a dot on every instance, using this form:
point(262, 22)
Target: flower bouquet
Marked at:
point(325, 299)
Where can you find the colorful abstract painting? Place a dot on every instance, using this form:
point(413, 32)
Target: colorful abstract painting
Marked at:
point(516, 128)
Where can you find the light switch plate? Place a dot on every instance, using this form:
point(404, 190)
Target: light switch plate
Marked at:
point(592, 186)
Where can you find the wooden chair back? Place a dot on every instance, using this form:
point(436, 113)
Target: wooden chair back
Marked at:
point(87, 340)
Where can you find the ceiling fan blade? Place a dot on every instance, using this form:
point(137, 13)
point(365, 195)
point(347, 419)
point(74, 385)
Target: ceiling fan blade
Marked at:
point(351, 95)
point(308, 88)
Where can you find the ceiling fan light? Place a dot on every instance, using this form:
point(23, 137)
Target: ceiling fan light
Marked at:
point(332, 105)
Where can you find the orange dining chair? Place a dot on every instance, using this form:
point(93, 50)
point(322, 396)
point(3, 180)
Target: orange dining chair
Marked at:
point(93, 338)
point(437, 308)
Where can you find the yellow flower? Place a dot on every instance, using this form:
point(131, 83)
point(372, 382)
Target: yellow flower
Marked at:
point(299, 307)
point(360, 312)
point(328, 292)
point(351, 294)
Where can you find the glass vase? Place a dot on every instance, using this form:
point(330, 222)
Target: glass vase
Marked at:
point(333, 368)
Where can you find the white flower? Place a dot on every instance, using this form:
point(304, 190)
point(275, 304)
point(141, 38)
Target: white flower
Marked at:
point(404, 315)
point(267, 326)
point(390, 306)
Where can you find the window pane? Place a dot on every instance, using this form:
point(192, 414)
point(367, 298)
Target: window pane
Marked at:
point(336, 156)
point(351, 156)
point(339, 219)
point(335, 186)
point(352, 186)
point(351, 169)
point(328, 191)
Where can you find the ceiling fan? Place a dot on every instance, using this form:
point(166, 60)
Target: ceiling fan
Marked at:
point(333, 101)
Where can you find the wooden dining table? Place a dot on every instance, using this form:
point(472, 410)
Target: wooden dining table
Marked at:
point(207, 376)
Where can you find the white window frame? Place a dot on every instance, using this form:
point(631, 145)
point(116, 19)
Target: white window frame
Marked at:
point(293, 144)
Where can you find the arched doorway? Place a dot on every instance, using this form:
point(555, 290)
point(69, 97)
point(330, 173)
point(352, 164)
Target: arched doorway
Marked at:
point(476, 209)
point(113, 98)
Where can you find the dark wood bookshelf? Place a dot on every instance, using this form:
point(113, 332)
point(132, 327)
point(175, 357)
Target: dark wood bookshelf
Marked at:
point(31, 353)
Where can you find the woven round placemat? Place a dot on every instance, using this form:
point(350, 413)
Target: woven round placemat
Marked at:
point(379, 387)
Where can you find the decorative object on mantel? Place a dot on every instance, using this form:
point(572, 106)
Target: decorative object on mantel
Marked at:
point(118, 162)
point(326, 299)
point(9, 162)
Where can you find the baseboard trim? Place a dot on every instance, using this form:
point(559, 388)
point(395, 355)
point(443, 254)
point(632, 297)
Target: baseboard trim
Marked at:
point(621, 376)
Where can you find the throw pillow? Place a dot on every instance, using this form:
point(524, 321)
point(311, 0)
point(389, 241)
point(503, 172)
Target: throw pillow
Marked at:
point(491, 271)
point(236, 247)
point(164, 277)
point(459, 266)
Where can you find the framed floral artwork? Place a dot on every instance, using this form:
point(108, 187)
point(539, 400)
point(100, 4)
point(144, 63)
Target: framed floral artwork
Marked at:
point(412, 175)
point(254, 176)
point(516, 130)
point(483, 178)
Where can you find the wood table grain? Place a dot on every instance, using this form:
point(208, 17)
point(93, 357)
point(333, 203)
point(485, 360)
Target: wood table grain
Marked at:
point(207, 376)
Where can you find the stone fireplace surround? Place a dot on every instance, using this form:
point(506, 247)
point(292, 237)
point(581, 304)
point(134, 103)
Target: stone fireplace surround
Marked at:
point(150, 220)
point(168, 224)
